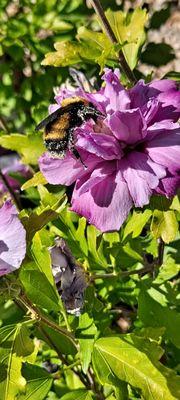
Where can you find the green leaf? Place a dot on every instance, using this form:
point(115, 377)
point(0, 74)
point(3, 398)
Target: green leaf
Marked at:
point(121, 391)
point(67, 53)
point(72, 228)
point(136, 223)
point(29, 147)
point(35, 222)
point(86, 338)
point(36, 180)
point(38, 383)
point(129, 28)
point(72, 380)
point(15, 346)
point(98, 46)
point(39, 290)
point(168, 270)
point(176, 204)
point(79, 394)
point(95, 249)
point(161, 203)
point(63, 342)
point(118, 358)
point(42, 258)
point(154, 310)
point(80, 235)
point(55, 201)
point(164, 225)
point(172, 75)
point(157, 54)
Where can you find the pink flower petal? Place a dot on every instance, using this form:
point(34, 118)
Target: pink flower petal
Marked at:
point(98, 99)
point(169, 106)
point(12, 239)
point(165, 150)
point(101, 172)
point(161, 128)
point(114, 91)
point(102, 145)
point(53, 107)
point(106, 205)
point(128, 126)
point(169, 186)
point(60, 171)
point(149, 110)
point(163, 85)
point(140, 177)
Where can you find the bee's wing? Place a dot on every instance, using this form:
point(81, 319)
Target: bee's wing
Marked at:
point(53, 116)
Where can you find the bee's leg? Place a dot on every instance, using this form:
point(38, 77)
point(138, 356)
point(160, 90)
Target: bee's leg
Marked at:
point(71, 147)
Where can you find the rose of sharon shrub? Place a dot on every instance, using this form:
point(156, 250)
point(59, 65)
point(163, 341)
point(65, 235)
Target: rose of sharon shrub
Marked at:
point(12, 239)
point(130, 155)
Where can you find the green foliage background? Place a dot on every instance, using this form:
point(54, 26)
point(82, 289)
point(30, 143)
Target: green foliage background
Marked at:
point(126, 343)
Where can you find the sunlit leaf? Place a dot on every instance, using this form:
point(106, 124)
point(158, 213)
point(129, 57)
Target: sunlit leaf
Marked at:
point(164, 225)
point(87, 334)
point(36, 180)
point(129, 28)
point(168, 270)
point(29, 147)
point(136, 223)
point(115, 358)
point(15, 346)
point(42, 258)
point(154, 311)
point(67, 53)
point(79, 394)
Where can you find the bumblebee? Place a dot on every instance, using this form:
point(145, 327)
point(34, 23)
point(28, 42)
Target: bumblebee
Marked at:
point(59, 126)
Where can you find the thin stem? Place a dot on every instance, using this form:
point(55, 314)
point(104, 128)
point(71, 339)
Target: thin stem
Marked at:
point(160, 252)
point(25, 304)
point(145, 270)
point(74, 364)
point(3, 124)
point(107, 27)
point(98, 389)
point(11, 191)
point(41, 318)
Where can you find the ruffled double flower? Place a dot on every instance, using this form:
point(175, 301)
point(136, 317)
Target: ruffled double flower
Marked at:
point(129, 155)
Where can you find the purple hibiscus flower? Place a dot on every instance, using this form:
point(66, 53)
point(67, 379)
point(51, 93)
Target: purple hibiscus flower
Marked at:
point(12, 239)
point(129, 155)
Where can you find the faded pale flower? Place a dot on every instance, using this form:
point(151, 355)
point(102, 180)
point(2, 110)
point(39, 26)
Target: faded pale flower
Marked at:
point(130, 155)
point(10, 164)
point(12, 239)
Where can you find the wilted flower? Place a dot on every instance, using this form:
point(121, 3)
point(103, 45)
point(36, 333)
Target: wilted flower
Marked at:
point(12, 239)
point(130, 155)
point(69, 277)
point(10, 164)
